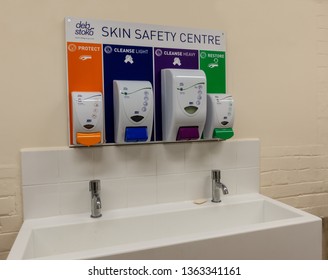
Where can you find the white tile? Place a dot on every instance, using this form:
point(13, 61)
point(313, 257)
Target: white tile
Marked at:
point(40, 201)
point(224, 155)
point(134, 175)
point(248, 180)
point(114, 193)
point(170, 158)
point(39, 167)
point(170, 188)
point(198, 156)
point(248, 153)
point(198, 185)
point(141, 191)
point(75, 164)
point(74, 198)
point(109, 162)
point(140, 160)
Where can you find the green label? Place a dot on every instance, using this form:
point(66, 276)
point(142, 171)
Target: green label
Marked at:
point(213, 64)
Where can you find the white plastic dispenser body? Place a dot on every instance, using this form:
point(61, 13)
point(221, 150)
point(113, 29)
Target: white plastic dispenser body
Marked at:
point(133, 111)
point(88, 123)
point(183, 104)
point(220, 117)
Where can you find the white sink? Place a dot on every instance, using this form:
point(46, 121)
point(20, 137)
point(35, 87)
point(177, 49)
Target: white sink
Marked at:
point(241, 227)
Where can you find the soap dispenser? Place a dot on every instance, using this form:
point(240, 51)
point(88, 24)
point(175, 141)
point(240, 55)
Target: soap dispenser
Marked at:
point(220, 117)
point(87, 118)
point(133, 111)
point(183, 104)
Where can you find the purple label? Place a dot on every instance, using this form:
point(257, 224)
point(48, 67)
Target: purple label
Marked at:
point(169, 58)
point(188, 133)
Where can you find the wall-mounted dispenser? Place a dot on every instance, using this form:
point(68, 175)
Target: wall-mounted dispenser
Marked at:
point(220, 117)
point(87, 118)
point(183, 104)
point(133, 111)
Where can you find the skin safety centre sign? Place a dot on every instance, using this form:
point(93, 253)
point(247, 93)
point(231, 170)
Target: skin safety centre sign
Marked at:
point(100, 51)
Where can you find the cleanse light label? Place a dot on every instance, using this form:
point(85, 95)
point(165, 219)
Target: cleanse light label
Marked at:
point(122, 62)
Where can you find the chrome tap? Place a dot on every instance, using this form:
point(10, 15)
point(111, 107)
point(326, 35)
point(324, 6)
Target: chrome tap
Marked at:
point(94, 188)
point(217, 185)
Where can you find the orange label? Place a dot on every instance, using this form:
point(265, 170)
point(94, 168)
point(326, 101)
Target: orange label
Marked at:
point(84, 67)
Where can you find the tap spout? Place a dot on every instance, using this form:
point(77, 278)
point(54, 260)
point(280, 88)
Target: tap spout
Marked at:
point(217, 185)
point(98, 202)
point(225, 189)
point(94, 188)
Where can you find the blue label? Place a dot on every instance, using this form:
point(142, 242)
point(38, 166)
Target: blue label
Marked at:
point(123, 63)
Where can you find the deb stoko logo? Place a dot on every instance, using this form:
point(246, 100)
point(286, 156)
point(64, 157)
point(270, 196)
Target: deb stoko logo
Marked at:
point(84, 28)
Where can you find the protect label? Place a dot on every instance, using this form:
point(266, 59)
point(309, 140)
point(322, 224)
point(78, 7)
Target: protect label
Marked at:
point(84, 70)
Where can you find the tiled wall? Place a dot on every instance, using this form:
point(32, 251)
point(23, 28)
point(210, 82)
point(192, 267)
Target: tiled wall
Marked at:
point(55, 181)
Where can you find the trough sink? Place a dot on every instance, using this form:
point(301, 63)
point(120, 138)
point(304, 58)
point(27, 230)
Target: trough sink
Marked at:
point(248, 226)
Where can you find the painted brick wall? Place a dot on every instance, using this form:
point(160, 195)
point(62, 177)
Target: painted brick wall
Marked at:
point(10, 207)
point(322, 91)
point(297, 176)
point(322, 71)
